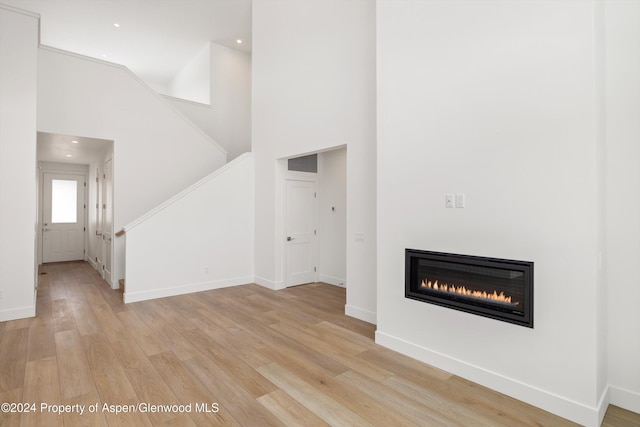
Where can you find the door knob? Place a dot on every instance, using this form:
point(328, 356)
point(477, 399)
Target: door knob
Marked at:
point(289, 238)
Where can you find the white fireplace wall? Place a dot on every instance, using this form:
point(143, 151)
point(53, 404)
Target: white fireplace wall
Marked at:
point(496, 100)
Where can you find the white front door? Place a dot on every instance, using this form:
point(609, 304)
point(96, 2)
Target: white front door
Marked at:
point(300, 232)
point(63, 217)
point(107, 220)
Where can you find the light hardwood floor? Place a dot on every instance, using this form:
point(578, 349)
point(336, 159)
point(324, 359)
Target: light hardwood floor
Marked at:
point(262, 357)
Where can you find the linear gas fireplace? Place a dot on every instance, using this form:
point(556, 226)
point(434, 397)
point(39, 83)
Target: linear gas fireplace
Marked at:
point(496, 288)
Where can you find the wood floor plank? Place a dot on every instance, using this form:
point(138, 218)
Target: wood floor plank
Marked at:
point(87, 418)
point(462, 408)
point(244, 374)
point(320, 404)
point(170, 337)
point(618, 417)
point(10, 418)
point(145, 337)
point(190, 391)
point(507, 407)
point(275, 341)
point(234, 340)
point(86, 320)
point(394, 401)
point(62, 315)
point(149, 386)
point(41, 387)
point(41, 344)
point(233, 398)
point(18, 324)
point(289, 411)
point(73, 366)
point(110, 380)
point(316, 343)
point(326, 383)
point(13, 358)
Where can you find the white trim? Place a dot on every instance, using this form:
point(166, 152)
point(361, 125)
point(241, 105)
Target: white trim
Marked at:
point(626, 399)
point(129, 297)
point(361, 314)
point(603, 405)
point(186, 101)
point(330, 280)
point(559, 405)
point(17, 313)
point(186, 191)
point(20, 11)
point(143, 84)
point(269, 284)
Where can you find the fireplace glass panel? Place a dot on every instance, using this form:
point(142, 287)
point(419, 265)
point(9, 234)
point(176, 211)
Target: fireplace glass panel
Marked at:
point(497, 288)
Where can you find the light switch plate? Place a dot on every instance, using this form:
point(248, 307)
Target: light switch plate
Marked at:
point(449, 200)
point(459, 200)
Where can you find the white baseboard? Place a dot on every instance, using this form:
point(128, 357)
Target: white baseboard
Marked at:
point(185, 289)
point(92, 263)
point(626, 399)
point(269, 284)
point(335, 281)
point(359, 313)
point(17, 313)
point(566, 408)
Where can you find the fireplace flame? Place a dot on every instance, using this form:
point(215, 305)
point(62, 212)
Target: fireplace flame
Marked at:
point(462, 290)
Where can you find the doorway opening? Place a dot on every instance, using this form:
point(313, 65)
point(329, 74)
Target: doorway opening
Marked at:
point(314, 218)
point(75, 193)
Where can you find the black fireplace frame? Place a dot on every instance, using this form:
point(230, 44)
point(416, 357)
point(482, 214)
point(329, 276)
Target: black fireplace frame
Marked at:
point(523, 318)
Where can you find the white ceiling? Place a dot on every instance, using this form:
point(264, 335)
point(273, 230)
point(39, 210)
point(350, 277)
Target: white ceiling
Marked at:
point(155, 39)
point(60, 148)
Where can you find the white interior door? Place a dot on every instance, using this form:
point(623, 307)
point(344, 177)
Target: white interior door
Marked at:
point(63, 219)
point(300, 232)
point(107, 220)
point(98, 247)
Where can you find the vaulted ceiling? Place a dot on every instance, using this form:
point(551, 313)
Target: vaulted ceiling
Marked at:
point(153, 38)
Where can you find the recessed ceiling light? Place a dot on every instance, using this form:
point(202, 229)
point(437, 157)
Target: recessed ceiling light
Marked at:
point(115, 24)
point(74, 142)
point(68, 155)
point(239, 41)
point(104, 55)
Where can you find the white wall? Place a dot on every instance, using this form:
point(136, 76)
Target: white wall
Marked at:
point(18, 67)
point(332, 216)
point(193, 81)
point(199, 240)
point(228, 117)
point(623, 207)
point(312, 91)
point(157, 152)
point(496, 100)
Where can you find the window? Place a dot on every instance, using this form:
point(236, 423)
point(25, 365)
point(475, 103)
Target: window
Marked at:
point(64, 201)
